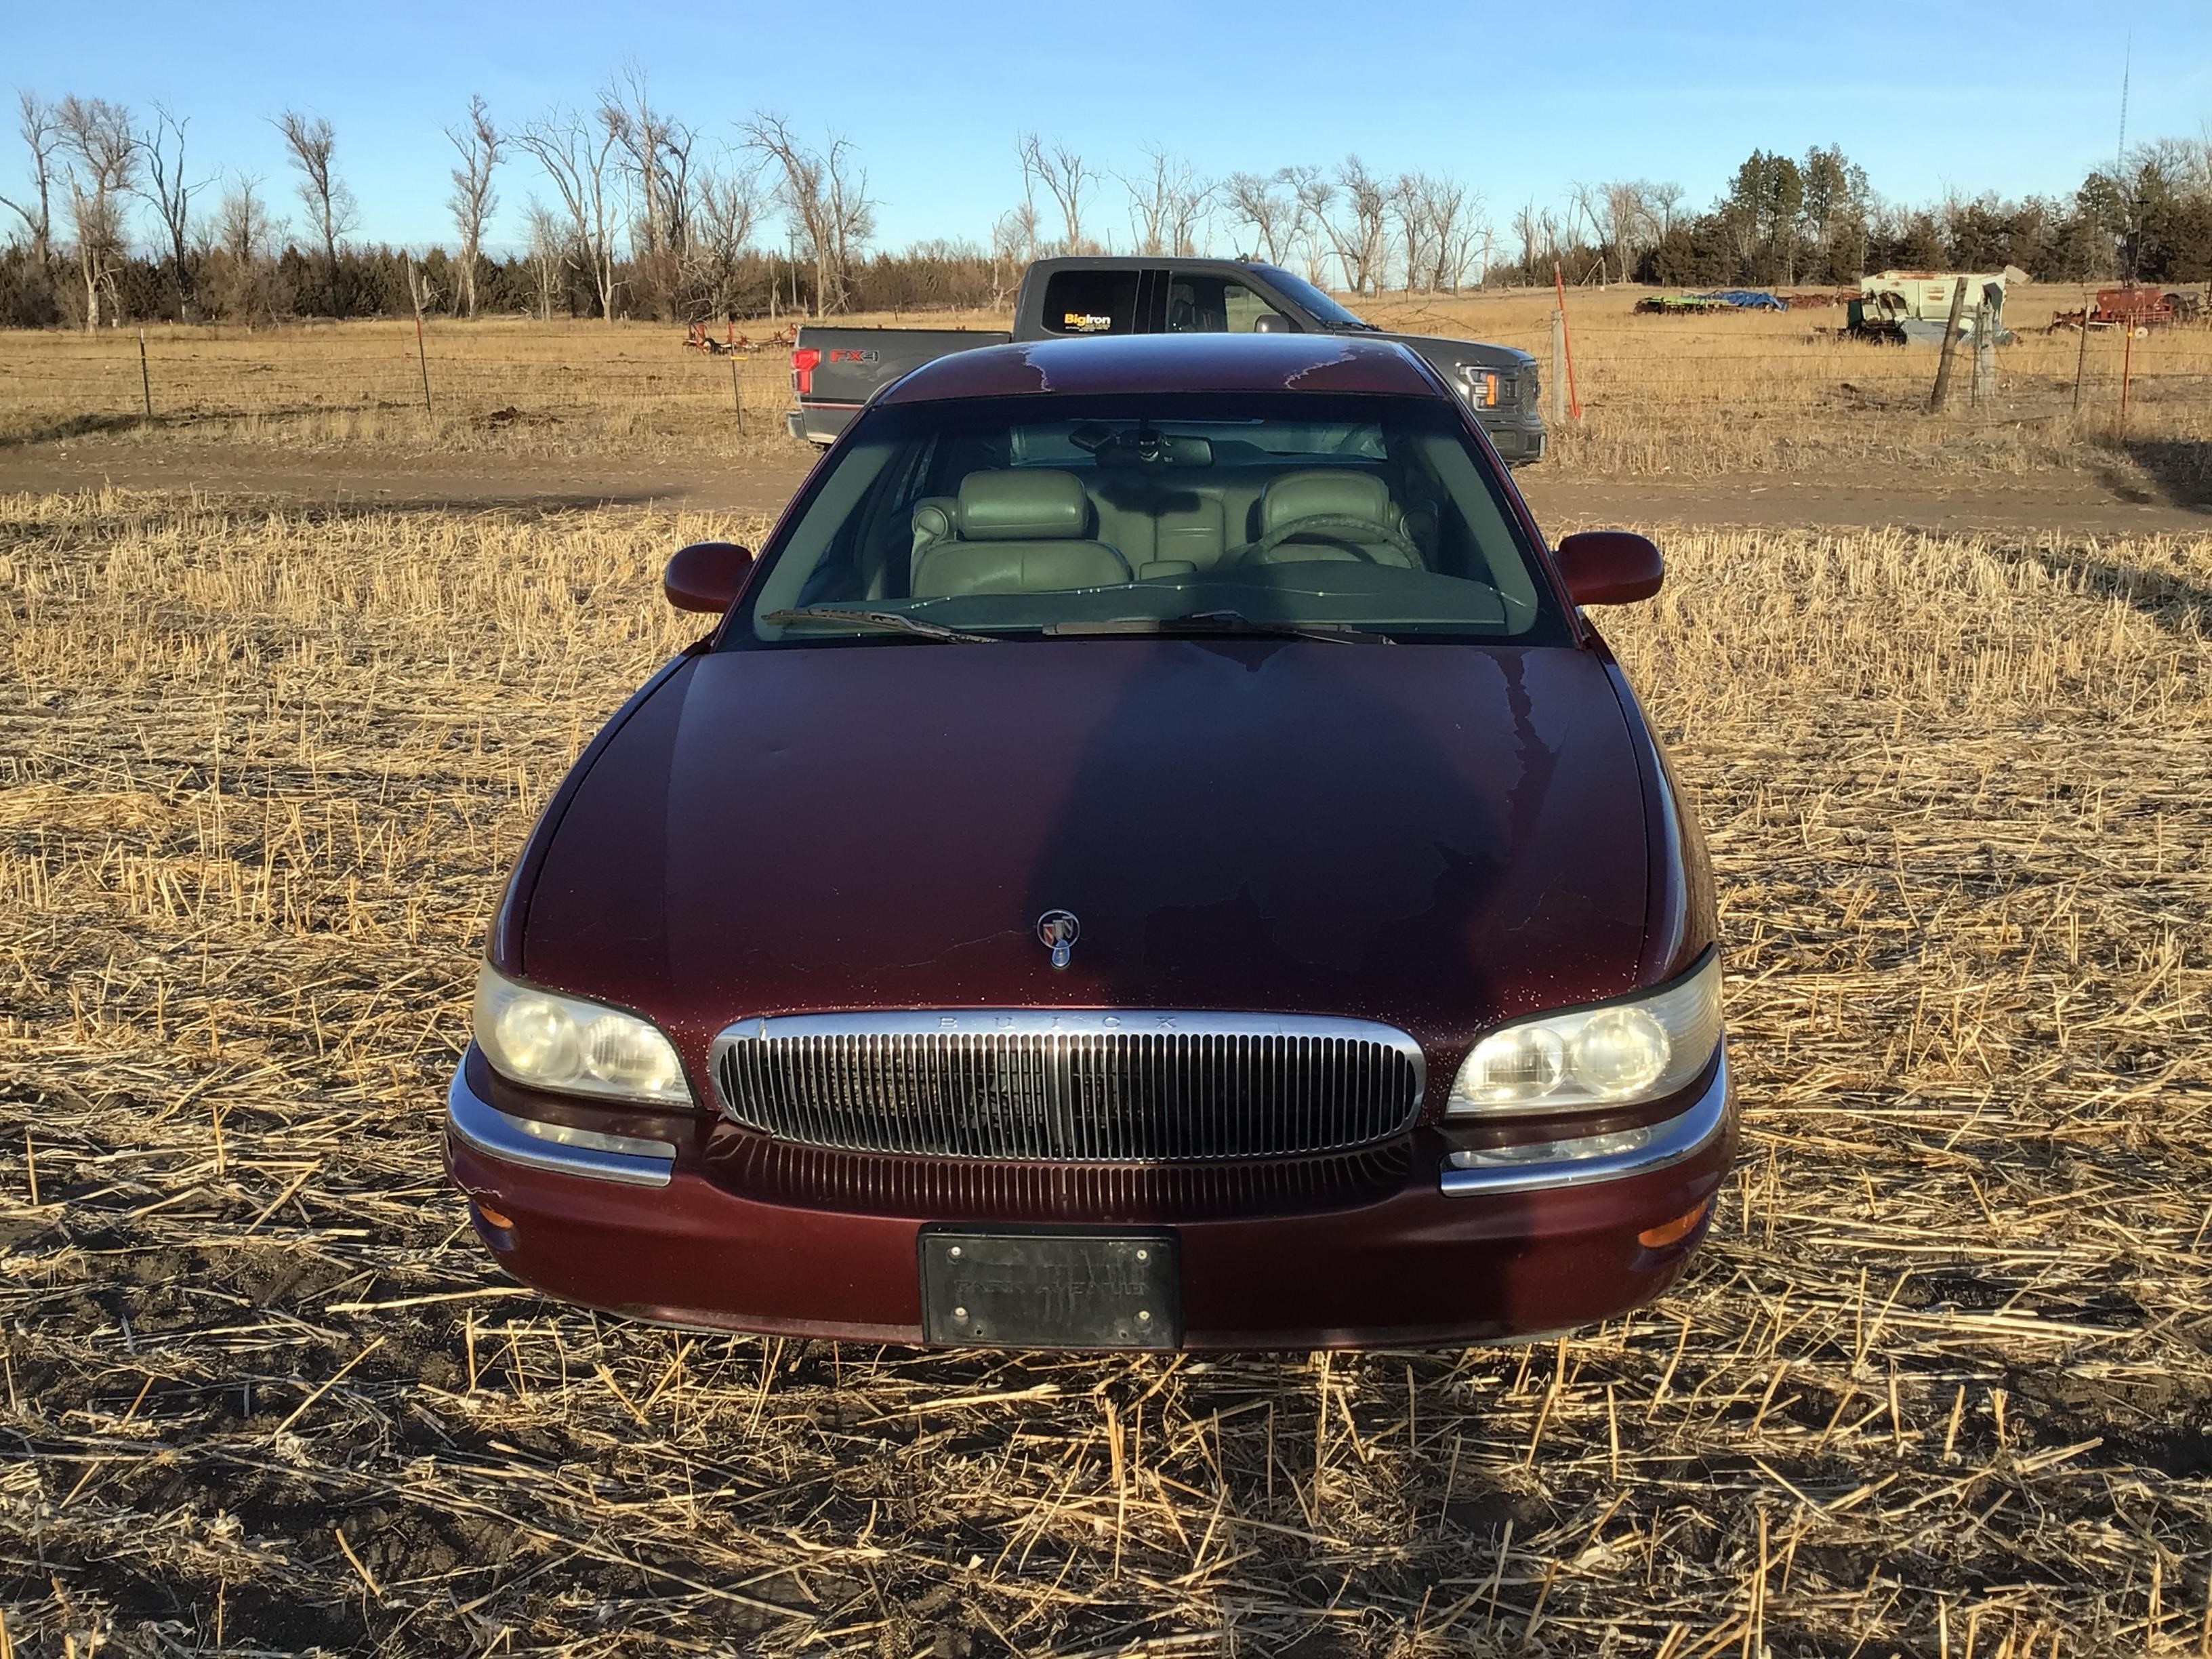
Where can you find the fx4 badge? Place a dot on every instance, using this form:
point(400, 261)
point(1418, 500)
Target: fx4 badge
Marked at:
point(1057, 930)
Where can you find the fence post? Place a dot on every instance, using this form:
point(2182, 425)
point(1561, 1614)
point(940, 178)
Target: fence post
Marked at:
point(1941, 395)
point(1984, 390)
point(2082, 357)
point(737, 394)
point(1565, 352)
point(145, 378)
point(2127, 368)
point(415, 286)
point(1558, 368)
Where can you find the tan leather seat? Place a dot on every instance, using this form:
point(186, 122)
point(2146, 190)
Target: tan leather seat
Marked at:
point(1341, 502)
point(1017, 532)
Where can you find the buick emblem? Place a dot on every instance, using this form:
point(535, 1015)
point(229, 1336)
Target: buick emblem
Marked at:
point(1057, 930)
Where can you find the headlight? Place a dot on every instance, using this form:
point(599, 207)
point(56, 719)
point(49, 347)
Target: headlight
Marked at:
point(1617, 1053)
point(582, 1047)
point(1484, 388)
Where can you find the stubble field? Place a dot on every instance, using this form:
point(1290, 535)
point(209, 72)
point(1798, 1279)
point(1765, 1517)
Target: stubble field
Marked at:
point(1941, 1385)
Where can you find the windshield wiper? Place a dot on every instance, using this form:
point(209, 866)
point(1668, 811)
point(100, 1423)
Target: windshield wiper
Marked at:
point(1226, 621)
point(880, 621)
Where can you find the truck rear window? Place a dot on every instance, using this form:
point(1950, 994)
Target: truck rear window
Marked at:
point(1090, 302)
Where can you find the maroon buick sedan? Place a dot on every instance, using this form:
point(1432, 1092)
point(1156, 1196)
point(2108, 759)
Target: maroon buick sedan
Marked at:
point(1153, 855)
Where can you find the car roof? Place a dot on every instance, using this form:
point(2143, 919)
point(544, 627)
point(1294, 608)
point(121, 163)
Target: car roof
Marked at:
point(1058, 262)
point(1172, 362)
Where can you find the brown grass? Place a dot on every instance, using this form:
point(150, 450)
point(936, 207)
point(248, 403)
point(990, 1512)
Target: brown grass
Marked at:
point(1765, 392)
point(1941, 1385)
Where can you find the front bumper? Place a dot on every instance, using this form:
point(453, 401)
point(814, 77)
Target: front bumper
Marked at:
point(1487, 1252)
point(1517, 436)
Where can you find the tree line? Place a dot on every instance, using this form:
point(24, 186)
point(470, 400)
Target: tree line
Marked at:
point(634, 211)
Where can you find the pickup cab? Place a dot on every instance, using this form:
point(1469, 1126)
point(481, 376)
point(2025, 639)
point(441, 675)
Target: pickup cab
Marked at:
point(835, 371)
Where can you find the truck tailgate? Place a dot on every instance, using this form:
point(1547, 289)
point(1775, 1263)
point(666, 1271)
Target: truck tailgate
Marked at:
point(847, 366)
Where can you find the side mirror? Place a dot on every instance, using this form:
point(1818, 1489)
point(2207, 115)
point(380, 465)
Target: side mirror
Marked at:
point(1609, 567)
point(1273, 322)
point(706, 575)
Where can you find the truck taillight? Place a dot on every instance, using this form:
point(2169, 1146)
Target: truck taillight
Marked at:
point(804, 362)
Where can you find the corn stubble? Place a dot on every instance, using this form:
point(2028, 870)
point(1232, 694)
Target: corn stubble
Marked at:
point(1939, 1384)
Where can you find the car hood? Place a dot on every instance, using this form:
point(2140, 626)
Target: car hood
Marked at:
point(1442, 351)
point(1433, 835)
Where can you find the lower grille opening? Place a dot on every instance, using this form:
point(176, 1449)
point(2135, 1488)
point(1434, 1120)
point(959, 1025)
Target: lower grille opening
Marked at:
point(820, 1178)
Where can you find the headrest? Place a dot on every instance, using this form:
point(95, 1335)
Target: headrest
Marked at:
point(1022, 506)
point(1324, 493)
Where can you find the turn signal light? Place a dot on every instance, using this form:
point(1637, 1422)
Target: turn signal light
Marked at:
point(1675, 1231)
point(492, 1218)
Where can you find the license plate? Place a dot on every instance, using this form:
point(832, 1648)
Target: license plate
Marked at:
point(1051, 1290)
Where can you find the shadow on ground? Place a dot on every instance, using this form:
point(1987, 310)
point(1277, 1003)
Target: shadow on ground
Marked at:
point(2176, 470)
point(2173, 602)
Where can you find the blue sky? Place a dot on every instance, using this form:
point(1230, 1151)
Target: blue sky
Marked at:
point(1519, 100)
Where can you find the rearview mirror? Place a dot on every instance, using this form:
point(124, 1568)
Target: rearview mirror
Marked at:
point(1609, 567)
point(1272, 322)
point(706, 575)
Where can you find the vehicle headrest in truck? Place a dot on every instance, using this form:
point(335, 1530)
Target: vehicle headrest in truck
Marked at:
point(1325, 493)
point(1022, 506)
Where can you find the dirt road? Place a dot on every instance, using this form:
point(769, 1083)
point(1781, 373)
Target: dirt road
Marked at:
point(2072, 502)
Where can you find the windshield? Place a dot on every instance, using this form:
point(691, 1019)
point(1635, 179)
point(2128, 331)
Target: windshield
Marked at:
point(1326, 311)
point(1351, 518)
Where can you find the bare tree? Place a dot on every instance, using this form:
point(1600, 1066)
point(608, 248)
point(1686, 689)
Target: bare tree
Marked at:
point(1621, 219)
point(1148, 201)
point(244, 235)
point(1463, 235)
point(1065, 174)
point(1529, 230)
point(1409, 201)
point(1313, 192)
point(723, 209)
point(102, 157)
point(548, 255)
point(1013, 245)
point(852, 212)
point(655, 150)
point(330, 204)
point(577, 156)
point(473, 199)
point(41, 128)
point(1440, 229)
point(169, 192)
point(1262, 202)
point(823, 195)
point(1168, 203)
point(800, 192)
point(1361, 233)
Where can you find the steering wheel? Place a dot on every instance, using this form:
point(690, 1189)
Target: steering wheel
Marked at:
point(1338, 530)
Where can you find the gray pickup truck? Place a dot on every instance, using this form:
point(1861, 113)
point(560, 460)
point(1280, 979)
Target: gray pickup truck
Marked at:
point(834, 371)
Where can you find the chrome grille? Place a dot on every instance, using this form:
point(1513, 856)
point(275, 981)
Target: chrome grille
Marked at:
point(1081, 1086)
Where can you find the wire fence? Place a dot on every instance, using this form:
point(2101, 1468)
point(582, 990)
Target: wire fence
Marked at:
point(57, 384)
point(638, 378)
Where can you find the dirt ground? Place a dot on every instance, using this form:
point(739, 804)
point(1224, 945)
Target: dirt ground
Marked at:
point(2078, 502)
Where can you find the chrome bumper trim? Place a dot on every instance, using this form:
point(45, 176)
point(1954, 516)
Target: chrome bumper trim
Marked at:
point(479, 1124)
point(1670, 1142)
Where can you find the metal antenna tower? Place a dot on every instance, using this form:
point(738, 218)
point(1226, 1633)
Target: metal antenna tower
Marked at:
point(2127, 64)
